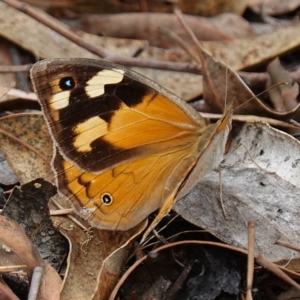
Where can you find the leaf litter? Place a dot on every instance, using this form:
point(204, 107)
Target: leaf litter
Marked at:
point(259, 173)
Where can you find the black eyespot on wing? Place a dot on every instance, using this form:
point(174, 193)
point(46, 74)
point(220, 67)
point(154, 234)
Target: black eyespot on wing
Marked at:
point(106, 199)
point(67, 83)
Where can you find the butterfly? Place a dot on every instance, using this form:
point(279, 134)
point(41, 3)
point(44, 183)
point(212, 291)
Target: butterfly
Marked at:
point(124, 146)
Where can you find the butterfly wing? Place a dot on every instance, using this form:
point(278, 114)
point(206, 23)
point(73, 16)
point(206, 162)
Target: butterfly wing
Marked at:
point(124, 145)
point(101, 114)
point(121, 197)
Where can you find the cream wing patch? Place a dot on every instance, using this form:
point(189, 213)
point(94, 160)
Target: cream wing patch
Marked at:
point(87, 132)
point(95, 86)
point(59, 100)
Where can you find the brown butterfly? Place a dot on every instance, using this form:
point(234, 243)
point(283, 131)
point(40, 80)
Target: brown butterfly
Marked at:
point(124, 146)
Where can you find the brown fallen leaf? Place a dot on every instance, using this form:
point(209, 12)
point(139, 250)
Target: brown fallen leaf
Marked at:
point(283, 96)
point(211, 8)
point(93, 6)
point(14, 237)
point(147, 27)
point(190, 7)
point(9, 79)
point(22, 138)
point(244, 53)
point(220, 82)
point(112, 264)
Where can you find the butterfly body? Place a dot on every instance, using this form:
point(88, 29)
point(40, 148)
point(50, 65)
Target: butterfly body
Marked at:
point(124, 146)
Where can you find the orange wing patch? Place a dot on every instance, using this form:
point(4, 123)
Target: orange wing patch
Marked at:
point(136, 187)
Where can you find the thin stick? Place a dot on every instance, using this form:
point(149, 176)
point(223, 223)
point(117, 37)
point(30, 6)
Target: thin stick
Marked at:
point(15, 69)
point(253, 160)
point(40, 16)
point(175, 37)
point(288, 245)
point(221, 195)
point(35, 283)
point(250, 263)
point(71, 217)
point(276, 270)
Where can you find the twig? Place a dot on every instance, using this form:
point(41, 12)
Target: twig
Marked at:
point(35, 283)
point(40, 16)
point(276, 270)
point(288, 245)
point(250, 267)
point(13, 268)
point(221, 195)
point(6, 291)
point(15, 69)
point(156, 64)
point(172, 292)
point(70, 217)
point(173, 36)
point(60, 212)
point(100, 51)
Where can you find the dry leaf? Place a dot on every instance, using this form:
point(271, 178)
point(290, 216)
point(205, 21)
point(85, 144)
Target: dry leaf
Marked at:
point(21, 143)
point(27, 205)
point(211, 8)
point(244, 53)
point(7, 176)
point(251, 193)
point(14, 237)
point(147, 27)
point(283, 96)
point(274, 7)
point(221, 82)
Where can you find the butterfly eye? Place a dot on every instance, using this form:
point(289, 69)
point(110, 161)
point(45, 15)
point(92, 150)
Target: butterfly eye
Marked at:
point(107, 199)
point(67, 83)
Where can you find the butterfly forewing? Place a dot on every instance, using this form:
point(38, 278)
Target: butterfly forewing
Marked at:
point(101, 114)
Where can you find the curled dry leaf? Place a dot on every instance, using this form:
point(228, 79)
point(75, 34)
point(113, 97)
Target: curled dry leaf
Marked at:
point(283, 96)
point(114, 262)
point(220, 80)
point(252, 193)
point(88, 255)
point(14, 237)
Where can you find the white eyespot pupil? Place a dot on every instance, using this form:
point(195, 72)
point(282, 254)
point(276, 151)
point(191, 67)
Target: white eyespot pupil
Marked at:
point(67, 83)
point(106, 199)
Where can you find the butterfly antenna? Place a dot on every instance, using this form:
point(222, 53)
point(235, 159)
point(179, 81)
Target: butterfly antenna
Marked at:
point(264, 91)
point(195, 40)
point(226, 82)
